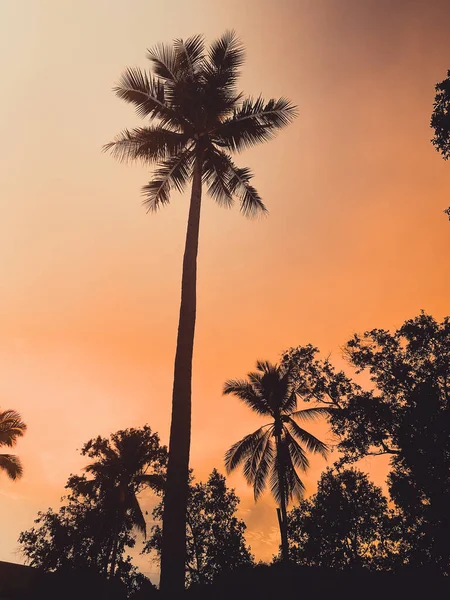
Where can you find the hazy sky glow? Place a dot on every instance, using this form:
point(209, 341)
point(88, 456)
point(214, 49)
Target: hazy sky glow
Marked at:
point(90, 284)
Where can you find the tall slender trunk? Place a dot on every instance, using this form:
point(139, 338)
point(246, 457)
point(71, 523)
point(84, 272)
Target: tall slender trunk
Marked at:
point(173, 550)
point(282, 518)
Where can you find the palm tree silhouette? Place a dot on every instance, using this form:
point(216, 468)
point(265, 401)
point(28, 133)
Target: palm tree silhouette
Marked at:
point(11, 428)
point(120, 473)
point(274, 451)
point(198, 117)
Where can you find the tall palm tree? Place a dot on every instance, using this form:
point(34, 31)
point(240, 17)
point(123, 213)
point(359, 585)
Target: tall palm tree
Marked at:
point(131, 462)
point(11, 428)
point(198, 118)
point(276, 450)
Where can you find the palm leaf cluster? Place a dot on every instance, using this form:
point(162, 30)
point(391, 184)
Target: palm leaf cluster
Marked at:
point(275, 452)
point(121, 472)
point(195, 112)
point(11, 428)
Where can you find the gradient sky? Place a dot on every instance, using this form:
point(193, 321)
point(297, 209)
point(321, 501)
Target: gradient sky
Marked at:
point(90, 284)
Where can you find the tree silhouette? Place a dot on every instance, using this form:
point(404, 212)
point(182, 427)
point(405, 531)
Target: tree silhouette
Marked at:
point(345, 524)
point(276, 450)
point(440, 121)
point(198, 118)
point(406, 417)
point(11, 428)
point(95, 525)
point(124, 465)
point(215, 536)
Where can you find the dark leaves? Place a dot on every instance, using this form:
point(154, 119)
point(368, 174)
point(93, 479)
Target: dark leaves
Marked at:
point(173, 173)
point(148, 144)
point(12, 466)
point(256, 121)
point(440, 120)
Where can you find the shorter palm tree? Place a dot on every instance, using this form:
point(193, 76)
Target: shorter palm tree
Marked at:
point(11, 428)
point(125, 465)
point(276, 450)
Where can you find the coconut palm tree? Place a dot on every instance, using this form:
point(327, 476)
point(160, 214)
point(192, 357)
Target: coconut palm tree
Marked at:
point(197, 119)
point(125, 465)
point(11, 428)
point(276, 450)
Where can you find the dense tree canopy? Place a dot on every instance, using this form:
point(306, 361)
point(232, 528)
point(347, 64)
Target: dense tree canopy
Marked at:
point(345, 524)
point(94, 526)
point(405, 416)
point(215, 536)
point(440, 120)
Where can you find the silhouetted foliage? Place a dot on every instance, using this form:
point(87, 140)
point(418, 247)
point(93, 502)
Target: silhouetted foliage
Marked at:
point(276, 450)
point(198, 119)
point(215, 536)
point(11, 428)
point(406, 416)
point(346, 524)
point(94, 526)
point(440, 120)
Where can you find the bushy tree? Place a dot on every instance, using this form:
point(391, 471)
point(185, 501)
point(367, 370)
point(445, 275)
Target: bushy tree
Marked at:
point(406, 416)
point(345, 524)
point(440, 120)
point(93, 528)
point(215, 536)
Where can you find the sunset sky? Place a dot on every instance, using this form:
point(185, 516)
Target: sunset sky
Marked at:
point(356, 237)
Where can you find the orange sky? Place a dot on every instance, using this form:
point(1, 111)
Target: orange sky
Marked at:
point(356, 236)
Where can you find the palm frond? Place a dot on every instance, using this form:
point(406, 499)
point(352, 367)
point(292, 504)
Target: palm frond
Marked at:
point(152, 480)
point(274, 479)
point(148, 144)
point(298, 456)
point(266, 367)
point(239, 184)
point(11, 427)
point(294, 485)
point(12, 466)
point(227, 52)
point(147, 94)
point(254, 122)
point(310, 414)
point(247, 393)
point(242, 449)
point(137, 515)
point(290, 399)
point(216, 174)
point(312, 443)
point(263, 467)
point(172, 173)
point(252, 462)
point(164, 61)
point(190, 53)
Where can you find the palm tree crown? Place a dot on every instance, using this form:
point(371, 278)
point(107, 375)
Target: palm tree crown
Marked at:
point(195, 110)
point(11, 428)
point(279, 447)
point(126, 465)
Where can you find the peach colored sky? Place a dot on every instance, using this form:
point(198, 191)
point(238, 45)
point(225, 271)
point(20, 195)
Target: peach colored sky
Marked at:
point(90, 284)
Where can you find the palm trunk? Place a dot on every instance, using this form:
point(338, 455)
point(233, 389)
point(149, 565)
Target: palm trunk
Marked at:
point(173, 550)
point(282, 518)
